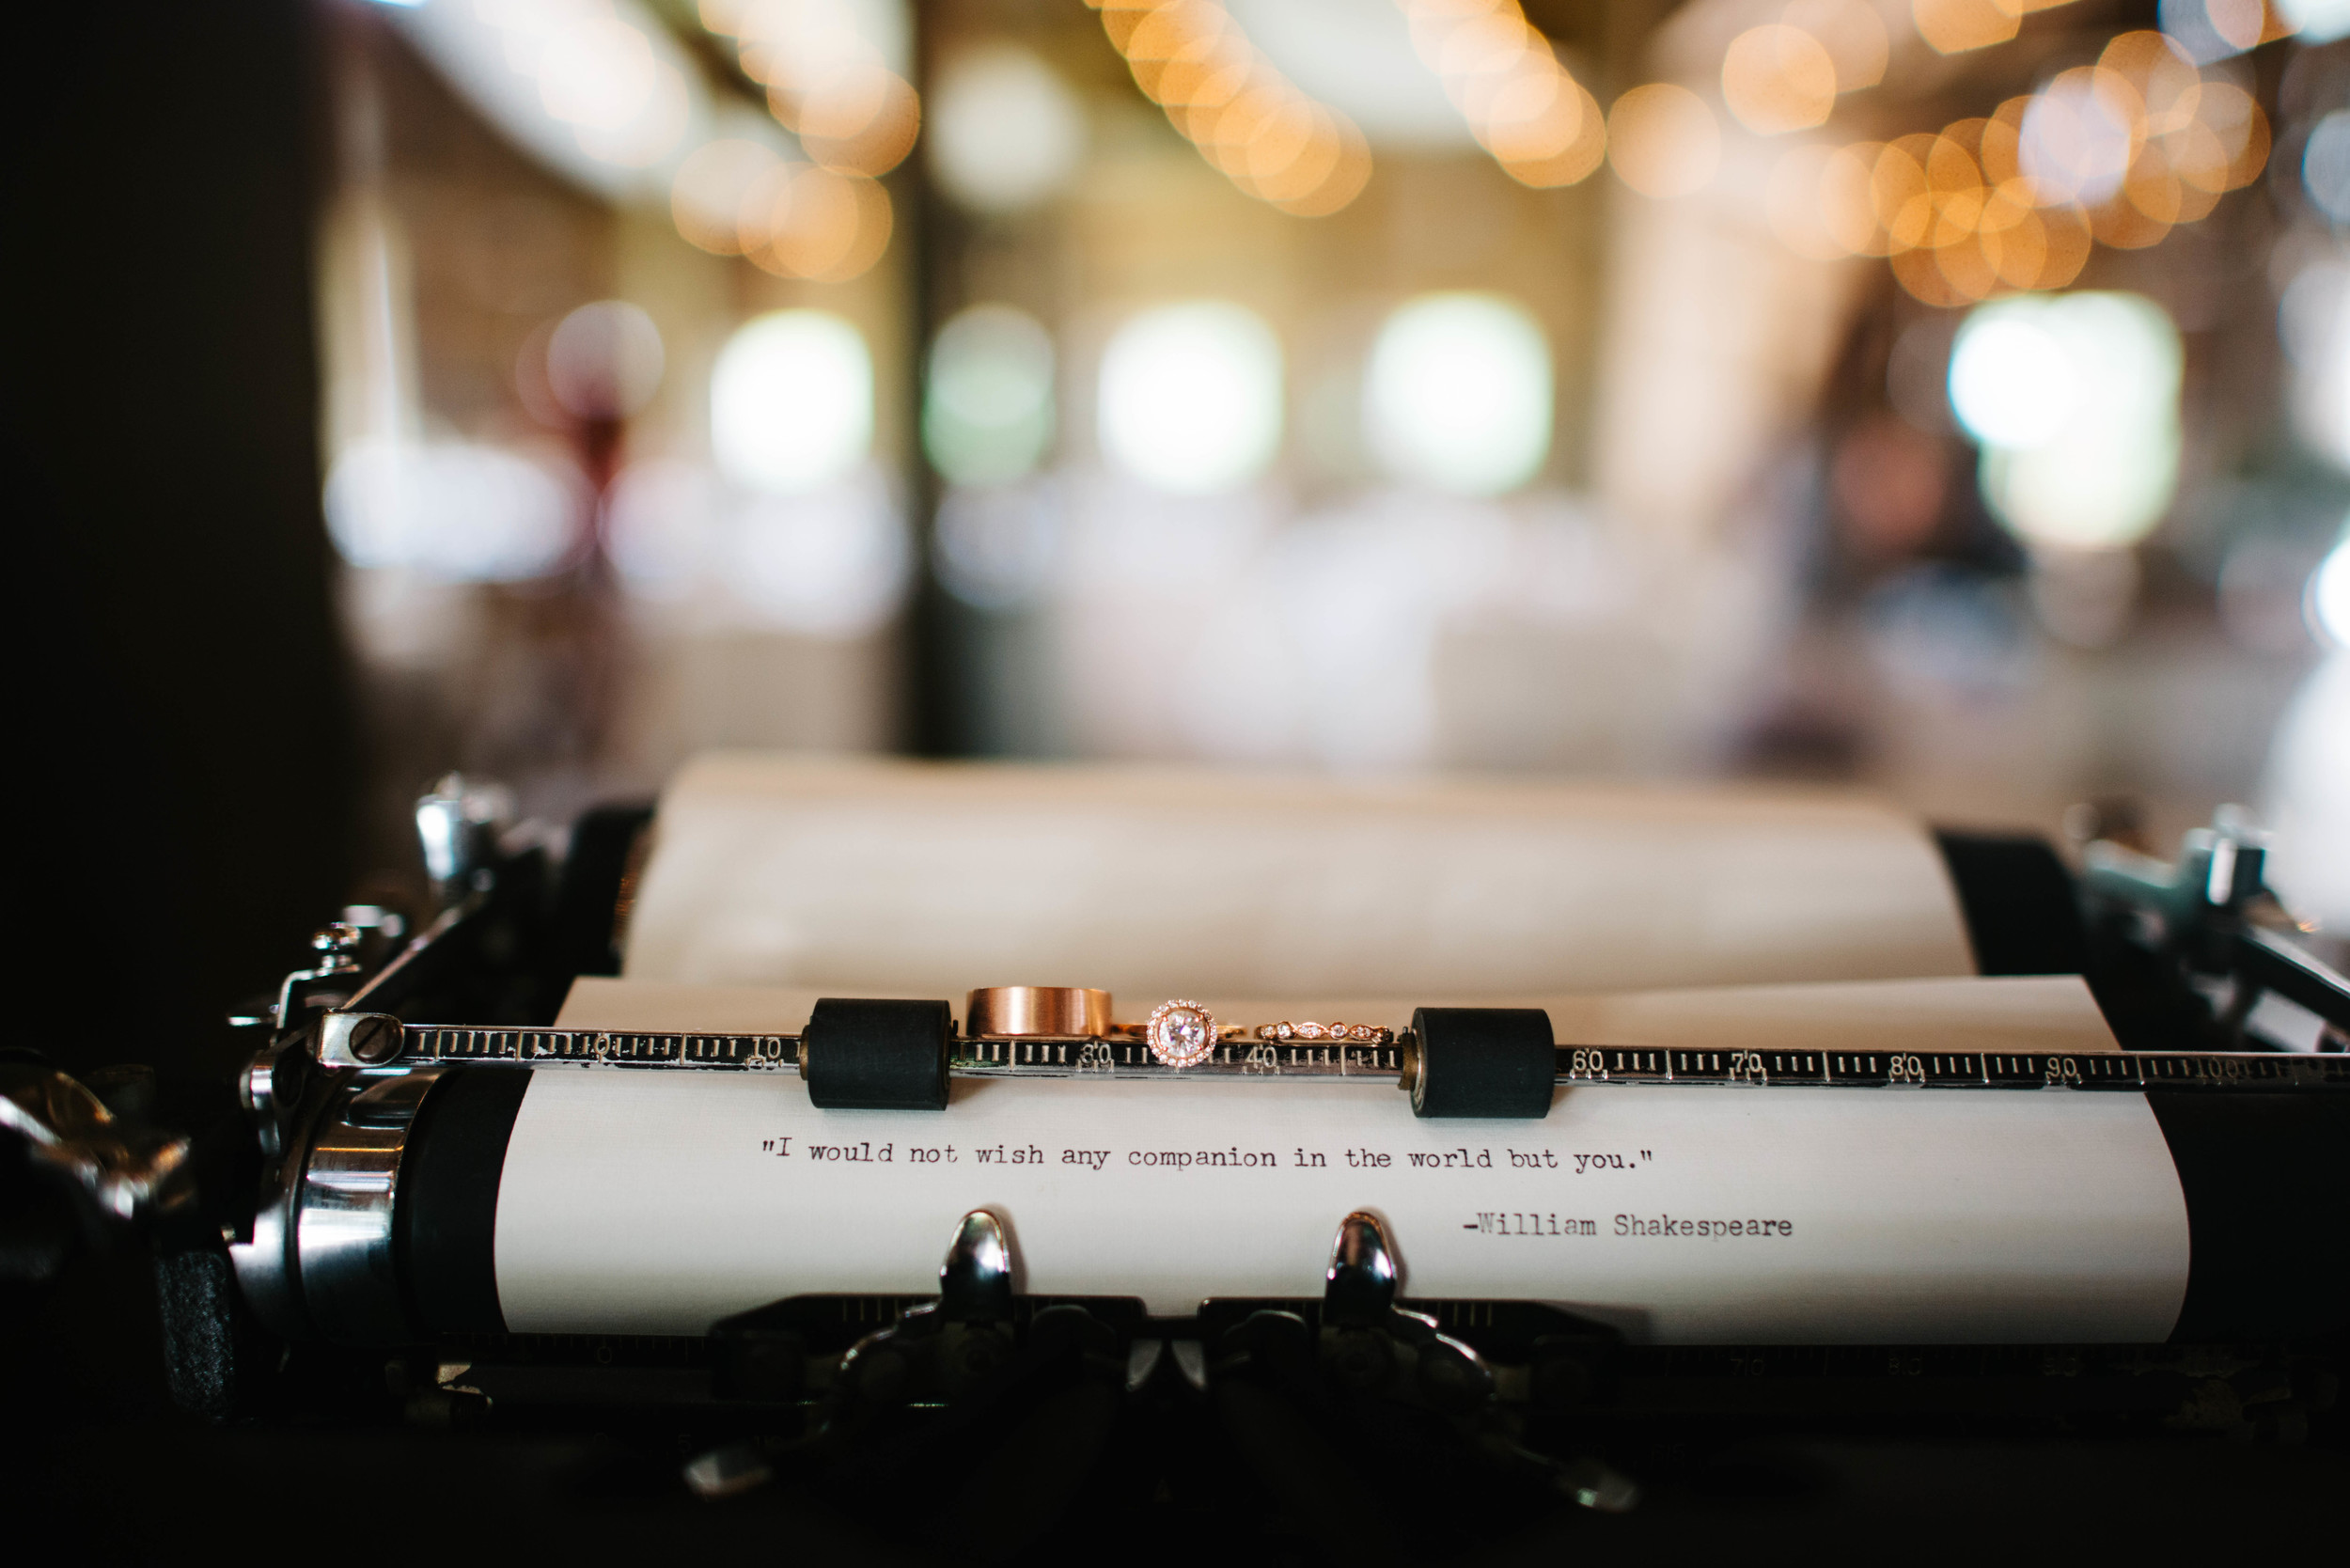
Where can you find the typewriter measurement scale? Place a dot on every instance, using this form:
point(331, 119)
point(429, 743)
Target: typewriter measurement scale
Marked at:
point(1387, 1064)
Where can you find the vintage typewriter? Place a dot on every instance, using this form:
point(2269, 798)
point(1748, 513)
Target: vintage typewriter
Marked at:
point(339, 1298)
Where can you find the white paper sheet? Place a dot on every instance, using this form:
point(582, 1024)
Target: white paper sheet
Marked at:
point(658, 1203)
point(876, 876)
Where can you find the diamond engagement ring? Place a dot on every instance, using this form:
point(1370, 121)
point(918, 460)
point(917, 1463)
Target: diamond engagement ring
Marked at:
point(1181, 1034)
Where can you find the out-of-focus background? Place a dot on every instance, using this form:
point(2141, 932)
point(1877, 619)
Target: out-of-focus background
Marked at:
point(1951, 396)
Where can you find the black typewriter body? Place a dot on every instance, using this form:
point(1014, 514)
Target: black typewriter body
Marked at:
point(157, 1227)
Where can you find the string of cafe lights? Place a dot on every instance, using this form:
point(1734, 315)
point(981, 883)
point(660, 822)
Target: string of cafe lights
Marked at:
point(826, 218)
point(1541, 125)
point(2116, 153)
point(1222, 95)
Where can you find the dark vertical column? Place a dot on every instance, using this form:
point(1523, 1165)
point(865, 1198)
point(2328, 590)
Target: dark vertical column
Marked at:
point(179, 734)
point(938, 725)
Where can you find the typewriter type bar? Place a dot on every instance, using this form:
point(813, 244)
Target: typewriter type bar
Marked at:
point(1386, 1064)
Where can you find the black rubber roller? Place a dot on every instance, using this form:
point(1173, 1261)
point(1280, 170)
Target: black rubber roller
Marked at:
point(877, 1056)
point(1490, 1062)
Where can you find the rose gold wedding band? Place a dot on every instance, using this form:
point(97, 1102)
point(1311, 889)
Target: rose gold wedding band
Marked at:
point(1036, 1012)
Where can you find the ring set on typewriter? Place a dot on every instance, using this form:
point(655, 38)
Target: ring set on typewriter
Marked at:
point(1180, 1033)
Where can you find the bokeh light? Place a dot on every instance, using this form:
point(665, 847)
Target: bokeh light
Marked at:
point(1663, 141)
point(1544, 127)
point(1949, 210)
point(2080, 135)
point(792, 402)
point(824, 225)
point(2074, 399)
point(2210, 30)
point(598, 73)
point(2316, 21)
point(2119, 152)
point(1852, 34)
point(604, 360)
point(1226, 99)
point(2314, 326)
point(1778, 79)
point(1956, 27)
point(987, 408)
point(461, 511)
point(2330, 595)
point(2326, 165)
point(1458, 394)
point(738, 197)
point(2307, 798)
point(1005, 132)
point(2011, 382)
point(710, 186)
point(834, 71)
point(1190, 397)
point(1967, 199)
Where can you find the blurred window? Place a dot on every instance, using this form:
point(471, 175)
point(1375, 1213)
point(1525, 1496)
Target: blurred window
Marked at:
point(792, 402)
point(987, 412)
point(461, 512)
point(1458, 396)
point(2330, 595)
point(1191, 396)
point(2076, 400)
point(2317, 21)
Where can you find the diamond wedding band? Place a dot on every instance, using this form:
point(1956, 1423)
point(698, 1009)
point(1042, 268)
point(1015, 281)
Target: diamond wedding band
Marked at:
point(1351, 1034)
